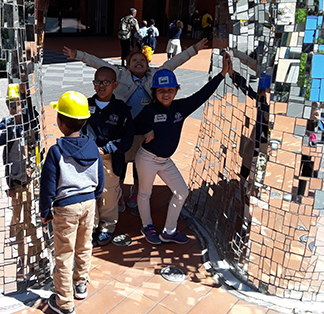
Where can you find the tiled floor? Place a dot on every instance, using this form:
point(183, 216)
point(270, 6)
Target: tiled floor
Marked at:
point(127, 279)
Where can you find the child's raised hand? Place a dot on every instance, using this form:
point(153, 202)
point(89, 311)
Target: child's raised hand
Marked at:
point(71, 53)
point(202, 44)
point(149, 136)
point(226, 63)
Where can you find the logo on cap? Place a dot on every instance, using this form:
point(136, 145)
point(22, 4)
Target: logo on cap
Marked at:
point(163, 80)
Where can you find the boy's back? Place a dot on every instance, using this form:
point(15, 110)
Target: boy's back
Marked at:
point(70, 174)
point(71, 182)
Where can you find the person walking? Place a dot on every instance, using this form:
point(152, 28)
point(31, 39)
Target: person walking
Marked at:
point(143, 31)
point(126, 25)
point(156, 32)
point(196, 25)
point(174, 44)
point(206, 23)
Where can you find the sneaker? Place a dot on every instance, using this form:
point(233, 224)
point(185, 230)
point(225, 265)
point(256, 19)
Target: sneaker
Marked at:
point(52, 304)
point(80, 290)
point(175, 237)
point(135, 212)
point(132, 201)
point(121, 204)
point(150, 234)
point(104, 238)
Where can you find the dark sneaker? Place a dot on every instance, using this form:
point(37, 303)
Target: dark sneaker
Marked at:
point(132, 201)
point(150, 234)
point(121, 204)
point(104, 238)
point(80, 291)
point(135, 212)
point(52, 304)
point(175, 237)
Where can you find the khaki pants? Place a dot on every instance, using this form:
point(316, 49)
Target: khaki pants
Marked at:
point(22, 205)
point(148, 166)
point(72, 243)
point(107, 206)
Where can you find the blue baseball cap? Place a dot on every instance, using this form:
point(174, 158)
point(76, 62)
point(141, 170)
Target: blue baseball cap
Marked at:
point(164, 78)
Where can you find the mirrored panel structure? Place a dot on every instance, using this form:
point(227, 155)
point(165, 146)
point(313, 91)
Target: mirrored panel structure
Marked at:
point(25, 246)
point(256, 182)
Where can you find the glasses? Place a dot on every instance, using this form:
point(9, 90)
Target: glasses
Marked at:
point(104, 83)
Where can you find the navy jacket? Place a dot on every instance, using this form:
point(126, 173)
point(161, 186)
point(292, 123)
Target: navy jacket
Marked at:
point(112, 129)
point(15, 137)
point(167, 122)
point(72, 173)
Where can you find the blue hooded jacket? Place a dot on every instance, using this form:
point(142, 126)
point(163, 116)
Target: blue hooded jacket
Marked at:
point(72, 173)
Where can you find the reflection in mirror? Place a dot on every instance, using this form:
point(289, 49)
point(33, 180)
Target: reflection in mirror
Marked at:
point(25, 246)
point(266, 205)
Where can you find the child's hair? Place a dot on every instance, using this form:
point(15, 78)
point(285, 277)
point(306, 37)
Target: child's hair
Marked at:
point(178, 24)
point(150, 32)
point(107, 69)
point(73, 125)
point(134, 52)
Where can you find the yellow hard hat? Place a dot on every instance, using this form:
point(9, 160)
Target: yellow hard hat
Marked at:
point(13, 92)
point(73, 105)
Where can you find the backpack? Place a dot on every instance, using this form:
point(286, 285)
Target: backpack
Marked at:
point(125, 27)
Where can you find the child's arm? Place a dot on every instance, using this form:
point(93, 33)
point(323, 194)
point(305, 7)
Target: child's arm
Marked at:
point(101, 178)
point(50, 173)
point(126, 137)
point(87, 58)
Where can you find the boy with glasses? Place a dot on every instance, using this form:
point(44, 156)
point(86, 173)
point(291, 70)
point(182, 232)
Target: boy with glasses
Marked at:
point(111, 127)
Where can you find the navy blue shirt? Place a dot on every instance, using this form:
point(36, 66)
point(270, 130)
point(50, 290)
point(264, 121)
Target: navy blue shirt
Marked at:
point(174, 33)
point(167, 122)
point(112, 129)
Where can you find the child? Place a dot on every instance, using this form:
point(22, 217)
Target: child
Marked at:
point(149, 44)
point(161, 122)
point(174, 45)
point(111, 127)
point(15, 133)
point(71, 182)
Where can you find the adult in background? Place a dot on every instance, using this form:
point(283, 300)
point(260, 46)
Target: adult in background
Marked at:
point(206, 23)
point(174, 45)
point(127, 24)
point(196, 25)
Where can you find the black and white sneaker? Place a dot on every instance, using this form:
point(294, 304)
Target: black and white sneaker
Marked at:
point(80, 291)
point(52, 304)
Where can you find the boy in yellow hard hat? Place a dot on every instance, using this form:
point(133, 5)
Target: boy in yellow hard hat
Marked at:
point(71, 182)
point(14, 136)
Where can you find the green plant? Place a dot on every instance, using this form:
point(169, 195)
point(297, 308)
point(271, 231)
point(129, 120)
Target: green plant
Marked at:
point(307, 94)
point(302, 66)
point(300, 16)
point(319, 40)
